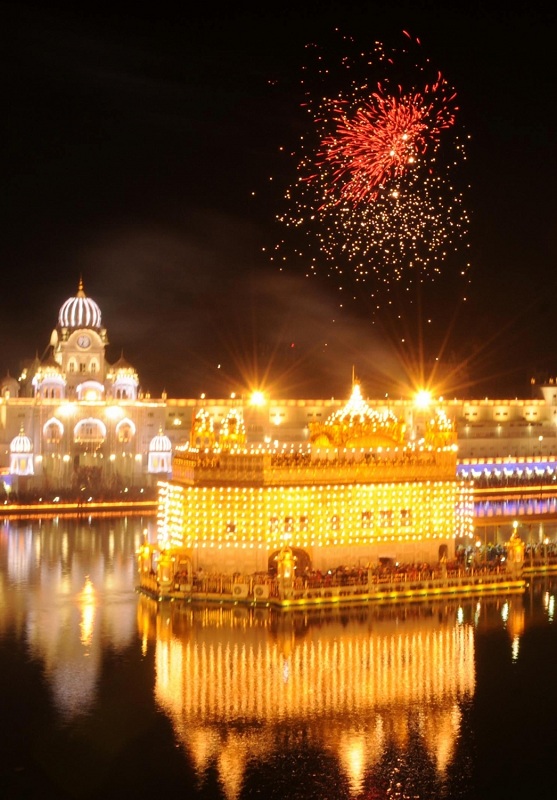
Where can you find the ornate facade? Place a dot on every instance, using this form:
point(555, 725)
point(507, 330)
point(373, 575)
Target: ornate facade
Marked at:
point(360, 491)
point(91, 427)
point(85, 424)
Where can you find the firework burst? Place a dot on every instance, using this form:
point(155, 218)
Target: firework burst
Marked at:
point(375, 200)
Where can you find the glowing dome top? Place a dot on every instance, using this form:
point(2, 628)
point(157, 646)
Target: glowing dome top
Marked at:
point(21, 443)
point(160, 443)
point(358, 425)
point(80, 311)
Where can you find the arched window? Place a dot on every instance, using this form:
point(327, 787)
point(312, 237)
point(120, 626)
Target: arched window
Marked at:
point(90, 431)
point(53, 431)
point(125, 431)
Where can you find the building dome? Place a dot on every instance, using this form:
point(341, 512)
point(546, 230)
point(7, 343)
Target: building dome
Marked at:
point(21, 443)
point(79, 311)
point(160, 443)
point(358, 425)
point(9, 387)
point(160, 455)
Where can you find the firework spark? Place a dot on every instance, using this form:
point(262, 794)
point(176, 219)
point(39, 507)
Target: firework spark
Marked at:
point(375, 197)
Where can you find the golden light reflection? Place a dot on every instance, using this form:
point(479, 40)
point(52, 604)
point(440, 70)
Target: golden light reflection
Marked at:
point(87, 603)
point(231, 763)
point(352, 754)
point(442, 730)
point(355, 685)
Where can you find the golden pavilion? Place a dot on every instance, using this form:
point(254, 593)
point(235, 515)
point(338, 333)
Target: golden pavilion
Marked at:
point(362, 491)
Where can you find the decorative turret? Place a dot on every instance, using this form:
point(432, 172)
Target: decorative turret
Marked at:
point(160, 454)
point(233, 431)
point(49, 380)
point(21, 455)
point(9, 387)
point(202, 431)
point(79, 341)
point(124, 379)
point(440, 430)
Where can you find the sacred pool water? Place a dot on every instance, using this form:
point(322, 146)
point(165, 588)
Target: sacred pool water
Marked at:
point(105, 695)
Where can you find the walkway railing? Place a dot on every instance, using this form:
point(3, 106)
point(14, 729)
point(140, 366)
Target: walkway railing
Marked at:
point(359, 585)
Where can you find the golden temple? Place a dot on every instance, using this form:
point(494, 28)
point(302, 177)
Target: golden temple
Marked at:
point(363, 491)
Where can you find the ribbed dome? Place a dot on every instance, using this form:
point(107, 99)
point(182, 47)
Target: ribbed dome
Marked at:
point(357, 412)
point(80, 312)
point(357, 425)
point(160, 443)
point(21, 443)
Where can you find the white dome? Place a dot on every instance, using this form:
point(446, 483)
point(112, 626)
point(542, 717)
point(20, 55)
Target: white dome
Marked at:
point(80, 312)
point(21, 443)
point(160, 443)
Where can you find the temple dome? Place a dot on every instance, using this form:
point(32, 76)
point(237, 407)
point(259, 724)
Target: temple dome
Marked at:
point(79, 311)
point(21, 443)
point(358, 425)
point(9, 387)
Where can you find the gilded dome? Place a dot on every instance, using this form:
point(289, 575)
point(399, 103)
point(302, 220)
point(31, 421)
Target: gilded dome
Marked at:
point(358, 425)
point(79, 311)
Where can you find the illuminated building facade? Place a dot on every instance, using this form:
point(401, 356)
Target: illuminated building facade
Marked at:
point(360, 492)
point(74, 420)
point(91, 426)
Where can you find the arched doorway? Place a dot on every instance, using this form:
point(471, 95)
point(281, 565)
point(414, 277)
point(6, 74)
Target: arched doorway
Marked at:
point(302, 562)
point(443, 552)
point(183, 571)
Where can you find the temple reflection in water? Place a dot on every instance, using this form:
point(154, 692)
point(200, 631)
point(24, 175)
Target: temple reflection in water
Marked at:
point(239, 683)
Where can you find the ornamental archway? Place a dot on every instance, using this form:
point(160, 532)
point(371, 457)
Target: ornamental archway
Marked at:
point(302, 562)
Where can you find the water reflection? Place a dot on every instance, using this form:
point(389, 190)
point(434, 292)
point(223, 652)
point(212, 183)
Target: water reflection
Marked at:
point(358, 684)
point(393, 701)
point(63, 581)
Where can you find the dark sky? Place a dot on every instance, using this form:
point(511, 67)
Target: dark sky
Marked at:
point(137, 151)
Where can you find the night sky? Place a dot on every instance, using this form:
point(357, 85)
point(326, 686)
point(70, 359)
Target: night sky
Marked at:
point(138, 150)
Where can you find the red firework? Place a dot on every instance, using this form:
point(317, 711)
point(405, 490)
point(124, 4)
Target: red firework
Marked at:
point(382, 139)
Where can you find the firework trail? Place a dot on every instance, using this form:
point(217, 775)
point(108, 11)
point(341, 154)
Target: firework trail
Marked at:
point(375, 199)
